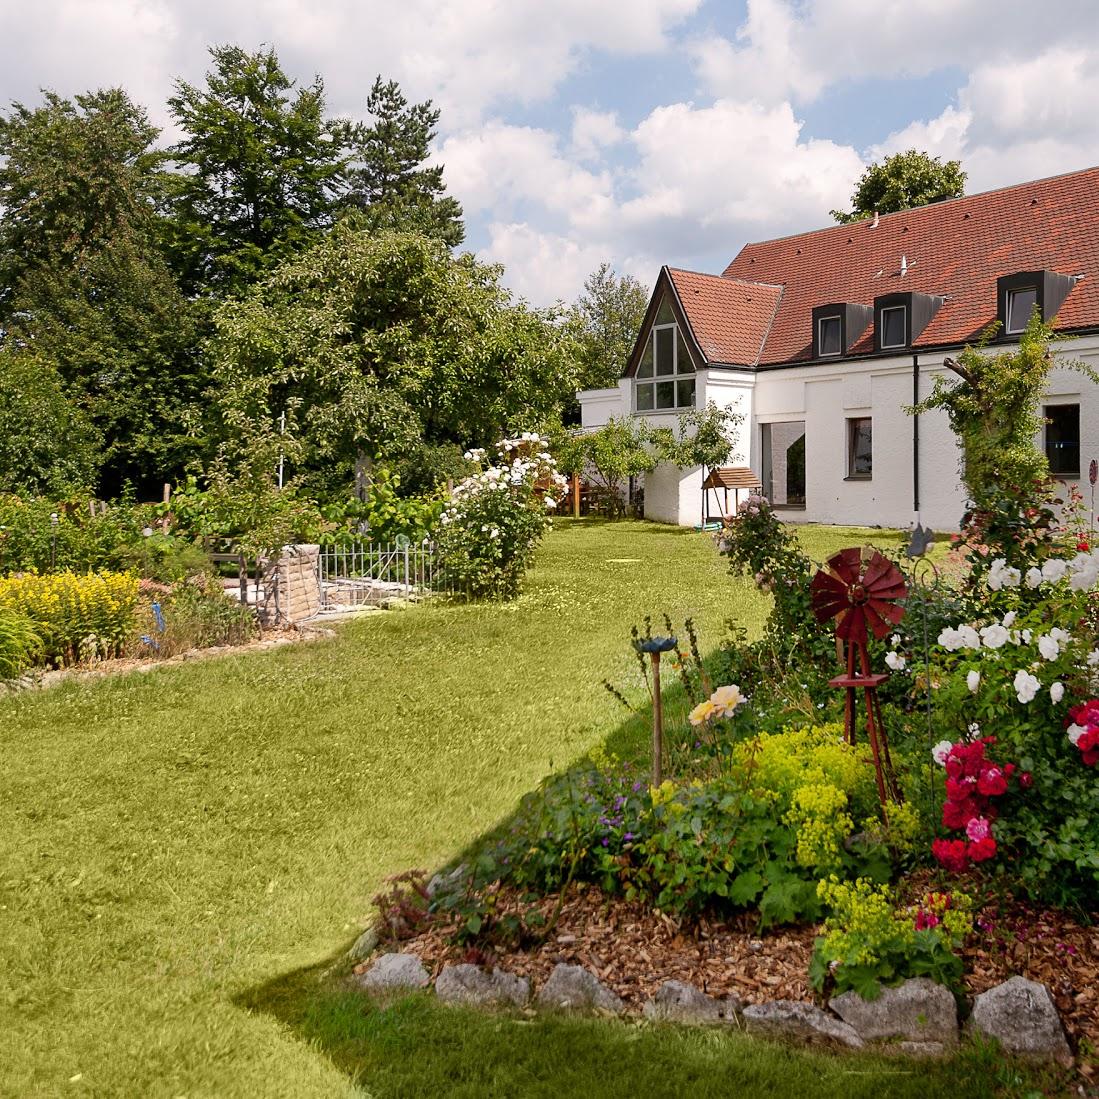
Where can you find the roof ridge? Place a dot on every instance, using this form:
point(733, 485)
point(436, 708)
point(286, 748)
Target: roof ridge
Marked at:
point(726, 278)
point(913, 210)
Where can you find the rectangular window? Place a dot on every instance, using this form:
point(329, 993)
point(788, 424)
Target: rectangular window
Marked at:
point(829, 336)
point(665, 350)
point(665, 378)
point(860, 450)
point(893, 325)
point(783, 472)
point(1063, 439)
point(1020, 307)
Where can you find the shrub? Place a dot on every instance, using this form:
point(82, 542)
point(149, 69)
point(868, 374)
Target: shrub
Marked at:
point(869, 941)
point(194, 614)
point(495, 519)
point(19, 643)
point(76, 616)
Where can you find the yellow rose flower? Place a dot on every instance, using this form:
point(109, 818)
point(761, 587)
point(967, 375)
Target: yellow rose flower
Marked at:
point(702, 713)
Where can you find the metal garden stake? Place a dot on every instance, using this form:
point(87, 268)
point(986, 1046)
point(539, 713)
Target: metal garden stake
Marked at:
point(654, 646)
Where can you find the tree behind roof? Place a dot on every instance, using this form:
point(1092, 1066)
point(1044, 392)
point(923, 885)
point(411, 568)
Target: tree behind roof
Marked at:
point(608, 315)
point(901, 182)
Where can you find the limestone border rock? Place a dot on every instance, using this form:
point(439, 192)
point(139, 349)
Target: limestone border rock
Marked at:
point(395, 973)
point(476, 987)
point(919, 1010)
point(574, 988)
point(679, 1002)
point(1021, 1016)
point(795, 1021)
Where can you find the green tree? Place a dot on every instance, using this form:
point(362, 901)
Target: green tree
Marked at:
point(901, 182)
point(608, 456)
point(389, 185)
point(608, 316)
point(89, 294)
point(383, 345)
point(47, 446)
point(261, 170)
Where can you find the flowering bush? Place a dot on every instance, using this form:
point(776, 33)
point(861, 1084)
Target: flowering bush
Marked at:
point(759, 545)
point(1017, 672)
point(869, 940)
point(1083, 730)
point(495, 519)
point(75, 616)
point(19, 643)
point(972, 781)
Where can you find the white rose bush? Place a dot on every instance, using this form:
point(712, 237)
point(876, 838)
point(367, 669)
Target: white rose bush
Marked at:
point(1024, 675)
point(496, 517)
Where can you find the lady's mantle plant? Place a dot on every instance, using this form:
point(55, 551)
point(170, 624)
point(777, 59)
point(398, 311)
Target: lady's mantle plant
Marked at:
point(496, 518)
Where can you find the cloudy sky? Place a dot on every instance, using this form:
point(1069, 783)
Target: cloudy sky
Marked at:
point(637, 131)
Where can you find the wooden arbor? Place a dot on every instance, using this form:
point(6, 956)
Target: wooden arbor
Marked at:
point(729, 477)
point(861, 590)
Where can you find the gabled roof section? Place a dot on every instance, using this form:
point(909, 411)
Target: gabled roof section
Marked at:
point(957, 249)
point(729, 317)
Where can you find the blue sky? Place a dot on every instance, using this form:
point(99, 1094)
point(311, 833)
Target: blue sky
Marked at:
point(635, 131)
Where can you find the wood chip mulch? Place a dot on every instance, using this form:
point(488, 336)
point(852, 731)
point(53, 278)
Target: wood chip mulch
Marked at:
point(633, 949)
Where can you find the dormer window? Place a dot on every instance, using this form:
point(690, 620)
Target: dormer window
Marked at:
point(1024, 292)
point(837, 327)
point(665, 378)
point(1020, 308)
point(900, 319)
point(893, 323)
point(830, 336)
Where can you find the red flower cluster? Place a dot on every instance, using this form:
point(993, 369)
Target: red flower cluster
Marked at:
point(972, 781)
point(929, 914)
point(1086, 717)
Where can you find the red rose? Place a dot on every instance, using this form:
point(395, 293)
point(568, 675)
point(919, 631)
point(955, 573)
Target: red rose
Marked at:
point(958, 789)
point(957, 814)
point(992, 782)
point(1026, 780)
point(981, 850)
point(951, 854)
point(1083, 547)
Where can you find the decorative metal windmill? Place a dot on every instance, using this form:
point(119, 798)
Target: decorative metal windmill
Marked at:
point(861, 590)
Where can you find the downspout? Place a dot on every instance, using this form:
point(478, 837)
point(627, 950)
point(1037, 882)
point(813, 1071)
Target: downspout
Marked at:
point(916, 436)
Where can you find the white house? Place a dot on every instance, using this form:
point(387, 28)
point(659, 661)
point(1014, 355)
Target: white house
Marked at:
point(822, 339)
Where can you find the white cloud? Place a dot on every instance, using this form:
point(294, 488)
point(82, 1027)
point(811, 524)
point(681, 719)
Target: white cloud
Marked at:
point(787, 49)
point(467, 56)
point(594, 131)
point(1015, 120)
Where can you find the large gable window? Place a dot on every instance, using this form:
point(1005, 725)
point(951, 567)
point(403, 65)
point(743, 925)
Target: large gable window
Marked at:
point(665, 377)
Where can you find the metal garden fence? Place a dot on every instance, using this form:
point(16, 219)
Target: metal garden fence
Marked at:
point(369, 573)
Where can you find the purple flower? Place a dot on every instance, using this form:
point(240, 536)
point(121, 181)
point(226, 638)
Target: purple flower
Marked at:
point(606, 842)
point(636, 787)
point(628, 836)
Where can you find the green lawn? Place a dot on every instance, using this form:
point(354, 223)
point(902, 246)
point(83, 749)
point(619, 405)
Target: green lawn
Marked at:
point(177, 845)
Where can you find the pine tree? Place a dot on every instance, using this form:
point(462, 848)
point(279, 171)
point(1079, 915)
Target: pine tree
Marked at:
point(389, 186)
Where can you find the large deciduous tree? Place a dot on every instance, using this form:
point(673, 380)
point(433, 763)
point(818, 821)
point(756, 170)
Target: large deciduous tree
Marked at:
point(261, 170)
point(89, 299)
point(380, 345)
point(390, 184)
point(608, 315)
point(901, 182)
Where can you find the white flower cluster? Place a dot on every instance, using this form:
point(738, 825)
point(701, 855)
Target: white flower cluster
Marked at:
point(1082, 571)
point(523, 463)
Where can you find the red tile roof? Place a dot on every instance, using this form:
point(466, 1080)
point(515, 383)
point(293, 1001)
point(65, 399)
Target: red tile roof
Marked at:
point(956, 248)
point(730, 318)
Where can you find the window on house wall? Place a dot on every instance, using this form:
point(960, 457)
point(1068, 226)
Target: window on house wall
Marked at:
point(665, 378)
point(1020, 307)
point(829, 336)
point(860, 450)
point(1062, 436)
point(783, 452)
point(894, 321)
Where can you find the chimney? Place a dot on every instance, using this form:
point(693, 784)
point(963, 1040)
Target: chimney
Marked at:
point(904, 266)
point(874, 223)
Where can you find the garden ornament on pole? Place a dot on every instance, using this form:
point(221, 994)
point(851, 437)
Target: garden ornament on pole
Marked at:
point(654, 646)
point(861, 590)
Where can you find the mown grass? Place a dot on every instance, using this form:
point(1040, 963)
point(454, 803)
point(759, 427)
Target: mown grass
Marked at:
point(172, 842)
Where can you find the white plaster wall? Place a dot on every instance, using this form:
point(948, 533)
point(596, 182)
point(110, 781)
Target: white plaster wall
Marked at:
point(597, 406)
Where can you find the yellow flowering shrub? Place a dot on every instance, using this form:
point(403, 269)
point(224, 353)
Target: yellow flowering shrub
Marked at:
point(75, 615)
point(819, 813)
point(868, 940)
